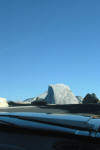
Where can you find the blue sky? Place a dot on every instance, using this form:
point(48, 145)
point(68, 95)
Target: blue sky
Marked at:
point(46, 42)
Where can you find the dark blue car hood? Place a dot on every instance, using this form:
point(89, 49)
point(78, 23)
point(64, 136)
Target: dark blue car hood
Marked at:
point(73, 124)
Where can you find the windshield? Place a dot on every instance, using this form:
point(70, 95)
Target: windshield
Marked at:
point(49, 56)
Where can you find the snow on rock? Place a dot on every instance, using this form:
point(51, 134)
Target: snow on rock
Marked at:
point(3, 102)
point(60, 94)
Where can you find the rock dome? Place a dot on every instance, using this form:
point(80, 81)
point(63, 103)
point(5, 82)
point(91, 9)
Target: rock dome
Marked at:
point(60, 94)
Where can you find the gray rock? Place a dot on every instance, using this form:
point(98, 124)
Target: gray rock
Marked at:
point(60, 94)
point(40, 100)
point(29, 100)
point(80, 99)
point(42, 96)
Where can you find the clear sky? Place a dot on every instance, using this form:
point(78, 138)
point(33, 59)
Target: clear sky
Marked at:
point(49, 41)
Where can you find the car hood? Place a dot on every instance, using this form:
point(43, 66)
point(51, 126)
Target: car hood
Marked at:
point(74, 124)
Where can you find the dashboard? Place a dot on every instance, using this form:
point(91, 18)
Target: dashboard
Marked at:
point(34, 140)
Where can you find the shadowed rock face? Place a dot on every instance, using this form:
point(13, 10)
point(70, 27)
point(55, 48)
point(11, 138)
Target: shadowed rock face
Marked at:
point(60, 94)
point(90, 99)
point(3, 102)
